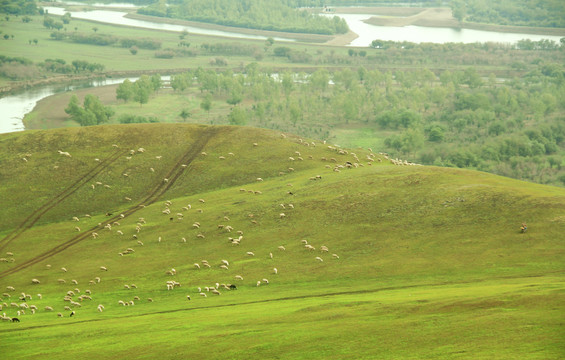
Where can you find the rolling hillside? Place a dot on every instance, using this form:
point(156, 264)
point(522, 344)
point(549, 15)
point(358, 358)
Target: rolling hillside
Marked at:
point(421, 262)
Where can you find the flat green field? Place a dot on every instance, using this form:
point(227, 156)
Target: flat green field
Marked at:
point(402, 262)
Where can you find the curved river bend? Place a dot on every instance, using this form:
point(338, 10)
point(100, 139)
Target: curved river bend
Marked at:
point(14, 107)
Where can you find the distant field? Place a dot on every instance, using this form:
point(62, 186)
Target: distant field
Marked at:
point(429, 262)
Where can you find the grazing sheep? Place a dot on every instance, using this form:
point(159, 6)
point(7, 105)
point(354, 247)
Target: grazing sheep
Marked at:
point(323, 248)
point(335, 256)
point(196, 265)
point(48, 308)
point(282, 215)
point(265, 281)
point(238, 277)
point(39, 296)
point(224, 267)
point(203, 294)
point(214, 291)
point(35, 281)
point(64, 269)
point(319, 259)
point(275, 271)
point(97, 279)
point(61, 281)
point(250, 253)
point(282, 248)
point(59, 315)
point(150, 299)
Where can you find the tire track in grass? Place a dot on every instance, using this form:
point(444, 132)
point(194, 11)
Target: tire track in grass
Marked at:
point(154, 194)
point(37, 214)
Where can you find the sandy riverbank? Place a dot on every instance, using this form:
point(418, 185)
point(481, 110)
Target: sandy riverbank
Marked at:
point(441, 17)
point(313, 38)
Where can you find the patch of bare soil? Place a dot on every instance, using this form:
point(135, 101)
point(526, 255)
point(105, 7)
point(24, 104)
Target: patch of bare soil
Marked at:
point(50, 111)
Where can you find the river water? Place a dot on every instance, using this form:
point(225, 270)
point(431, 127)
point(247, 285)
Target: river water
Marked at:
point(14, 107)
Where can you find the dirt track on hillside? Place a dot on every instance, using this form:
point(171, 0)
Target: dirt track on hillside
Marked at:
point(182, 165)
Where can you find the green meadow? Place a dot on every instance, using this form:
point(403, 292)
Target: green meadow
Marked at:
point(422, 262)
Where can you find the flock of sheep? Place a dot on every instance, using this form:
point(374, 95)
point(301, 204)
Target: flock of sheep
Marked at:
point(73, 300)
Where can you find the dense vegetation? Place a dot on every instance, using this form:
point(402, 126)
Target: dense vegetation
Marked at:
point(254, 14)
point(541, 13)
point(18, 7)
point(515, 128)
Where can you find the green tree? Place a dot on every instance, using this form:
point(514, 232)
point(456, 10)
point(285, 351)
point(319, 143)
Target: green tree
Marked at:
point(93, 105)
point(184, 114)
point(206, 104)
point(142, 89)
point(238, 116)
point(125, 91)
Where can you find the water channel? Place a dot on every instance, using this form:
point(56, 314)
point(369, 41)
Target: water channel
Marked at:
point(14, 107)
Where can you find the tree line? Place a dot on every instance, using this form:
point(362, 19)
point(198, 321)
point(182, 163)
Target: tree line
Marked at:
point(457, 118)
point(275, 15)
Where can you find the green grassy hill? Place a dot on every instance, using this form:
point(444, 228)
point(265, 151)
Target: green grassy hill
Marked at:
point(429, 262)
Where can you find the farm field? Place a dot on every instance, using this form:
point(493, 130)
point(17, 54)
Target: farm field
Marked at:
point(429, 262)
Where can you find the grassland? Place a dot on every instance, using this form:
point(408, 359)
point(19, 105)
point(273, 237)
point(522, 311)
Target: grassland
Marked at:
point(431, 263)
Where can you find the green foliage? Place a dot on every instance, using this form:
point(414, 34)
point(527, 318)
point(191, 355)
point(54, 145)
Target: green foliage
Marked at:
point(545, 13)
point(83, 65)
point(237, 116)
point(206, 103)
point(125, 91)
point(254, 14)
point(18, 7)
point(92, 112)
point(136, 119)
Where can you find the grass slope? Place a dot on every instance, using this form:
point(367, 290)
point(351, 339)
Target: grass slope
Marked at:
point(431, 263)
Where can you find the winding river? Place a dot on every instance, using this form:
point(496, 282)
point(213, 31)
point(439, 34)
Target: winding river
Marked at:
point(14, 107)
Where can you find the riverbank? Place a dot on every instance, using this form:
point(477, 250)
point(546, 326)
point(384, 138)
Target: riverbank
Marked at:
point(310, 38)
point(17, 86)
point(440, 17)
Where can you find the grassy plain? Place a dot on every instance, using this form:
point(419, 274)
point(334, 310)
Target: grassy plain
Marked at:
point(431, 263)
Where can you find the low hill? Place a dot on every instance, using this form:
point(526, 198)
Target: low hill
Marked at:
point(333, 253)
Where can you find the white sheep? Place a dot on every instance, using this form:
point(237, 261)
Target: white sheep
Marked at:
point(239, 277)
point(275, 271)
point(35, 281)
point(282, 248)
point(319, 259)
point(250, 253)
